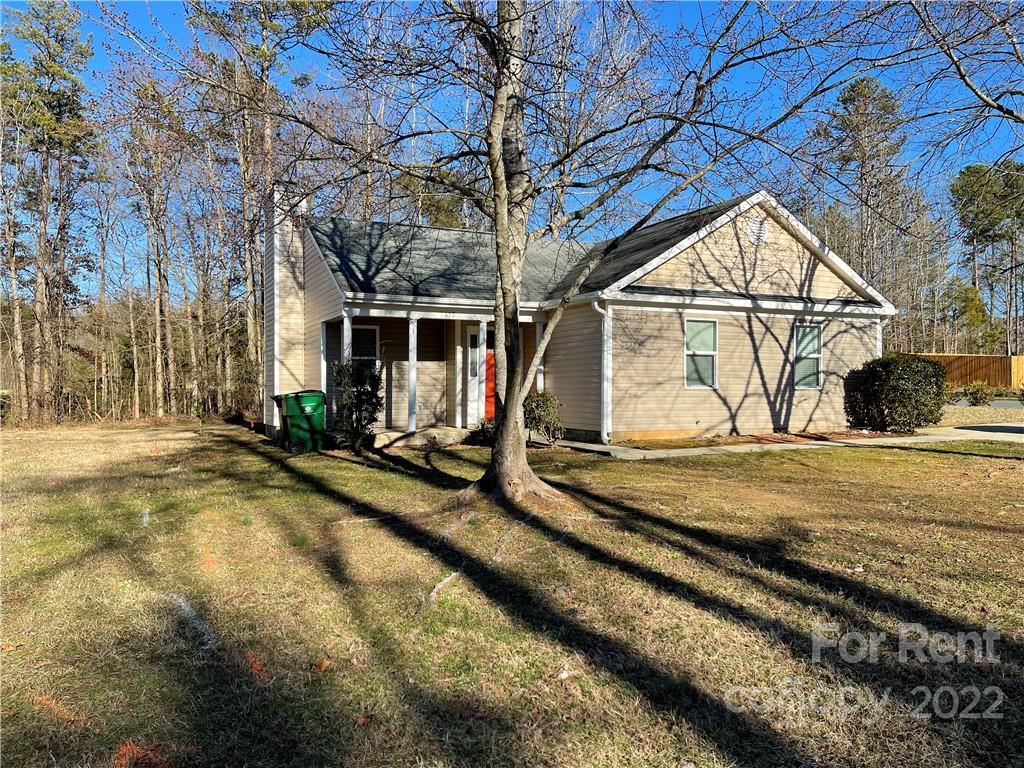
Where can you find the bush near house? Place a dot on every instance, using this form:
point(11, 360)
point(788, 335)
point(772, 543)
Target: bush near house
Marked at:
point(895, 393)
point(360, 399)
point(540, 409)
point(978, 393)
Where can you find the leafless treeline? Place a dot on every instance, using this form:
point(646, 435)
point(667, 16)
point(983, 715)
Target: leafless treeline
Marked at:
point(133, 203)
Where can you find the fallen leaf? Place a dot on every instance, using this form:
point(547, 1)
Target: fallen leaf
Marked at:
point(318, 666)
point(257, 667)
point(207, 563)
point(364, 719)
point(132, 755)
point(7, 647)
point(59, 711)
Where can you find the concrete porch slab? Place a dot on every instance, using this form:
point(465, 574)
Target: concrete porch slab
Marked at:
point(420, 439)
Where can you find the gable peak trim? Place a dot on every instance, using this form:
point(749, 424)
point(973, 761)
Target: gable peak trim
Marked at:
point(799, 230)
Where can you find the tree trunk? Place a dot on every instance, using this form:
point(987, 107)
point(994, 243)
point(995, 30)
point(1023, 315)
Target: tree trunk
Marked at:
point(164, 292)
point(39, 303)
point(136, 393)
point(509, 477)
point(18, 341)
point(157, 355)
point(101, 313)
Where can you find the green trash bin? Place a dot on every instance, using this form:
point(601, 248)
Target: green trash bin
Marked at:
point(302, 420)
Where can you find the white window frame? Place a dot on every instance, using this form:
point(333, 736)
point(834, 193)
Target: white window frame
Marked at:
point(820, 356)
point(376, 342)
point(687, 353)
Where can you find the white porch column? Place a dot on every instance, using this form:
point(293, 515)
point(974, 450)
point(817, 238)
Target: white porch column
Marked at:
point(538, 331)
point(346, 336)
point(458, 374)
point(323, 357)
point(481, 380)
point(411, 426)
point(606, 375)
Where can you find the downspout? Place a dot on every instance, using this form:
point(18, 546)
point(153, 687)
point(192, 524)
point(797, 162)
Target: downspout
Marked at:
point(606, 370)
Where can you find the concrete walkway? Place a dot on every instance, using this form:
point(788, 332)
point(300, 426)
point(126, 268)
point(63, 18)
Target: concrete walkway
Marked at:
point(1009, 433)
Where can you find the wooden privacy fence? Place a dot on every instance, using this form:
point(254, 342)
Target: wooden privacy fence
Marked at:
point(997, 370)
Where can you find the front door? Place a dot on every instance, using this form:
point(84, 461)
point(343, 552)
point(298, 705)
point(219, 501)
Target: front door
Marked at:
point(489, 395)
point(473, 376)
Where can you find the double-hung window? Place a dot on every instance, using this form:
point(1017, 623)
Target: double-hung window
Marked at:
point(807, 365)
point(701, 354)
point(364, 342)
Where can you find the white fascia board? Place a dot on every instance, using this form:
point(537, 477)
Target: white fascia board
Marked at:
point(323, 260)
point(398, 298)
point(445, 301)
point(746, 305)
point(391, 305)
point(382, 310)
point(829, 257)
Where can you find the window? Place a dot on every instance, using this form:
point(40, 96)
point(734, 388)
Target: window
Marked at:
point(701, 354)
point(807, 366)
point(474, 355)
point(364, 342)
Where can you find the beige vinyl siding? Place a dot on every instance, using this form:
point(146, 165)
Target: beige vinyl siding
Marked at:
point(268, 326)
point(729, 260)
point(322, 304)
point(291, 328)
point(430, 370)
point(451, 335)
point(284, 330)
point(755, 392)
point(573, 368)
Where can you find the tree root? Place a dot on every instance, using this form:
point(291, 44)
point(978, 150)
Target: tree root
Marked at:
point(526, 488)
point(432, 597)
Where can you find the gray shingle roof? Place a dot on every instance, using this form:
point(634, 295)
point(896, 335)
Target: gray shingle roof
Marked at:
point(414, 260)
point(647, 243)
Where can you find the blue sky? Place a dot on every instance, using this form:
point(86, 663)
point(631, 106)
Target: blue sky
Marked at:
point(156, 19)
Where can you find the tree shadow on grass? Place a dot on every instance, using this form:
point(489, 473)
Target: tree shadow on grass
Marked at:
point(745, 739)
point(237, 711)
point(989, 741)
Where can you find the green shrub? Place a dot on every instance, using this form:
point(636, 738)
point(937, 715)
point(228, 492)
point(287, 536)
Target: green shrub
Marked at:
point(954, 394)
point(895, 393)
point(484, 433)
point(360, 399)
point(540, 409)
point(978, 393)
point(1020, 395)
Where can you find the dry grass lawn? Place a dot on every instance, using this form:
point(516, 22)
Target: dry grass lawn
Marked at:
point(960, 415)
point(181, 597)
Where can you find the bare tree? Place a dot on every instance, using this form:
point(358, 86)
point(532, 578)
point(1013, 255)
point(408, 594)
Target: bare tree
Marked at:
point(574, 108)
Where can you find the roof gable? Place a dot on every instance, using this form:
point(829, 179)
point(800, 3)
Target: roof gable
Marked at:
point(755, 248)
point(752, 255)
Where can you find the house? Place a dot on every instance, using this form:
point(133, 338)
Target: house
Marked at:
point(732, 318)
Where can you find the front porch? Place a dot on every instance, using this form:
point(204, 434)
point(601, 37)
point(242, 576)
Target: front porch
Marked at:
point(437, 371)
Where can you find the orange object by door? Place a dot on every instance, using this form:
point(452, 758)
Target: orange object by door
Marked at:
point(489, 394)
